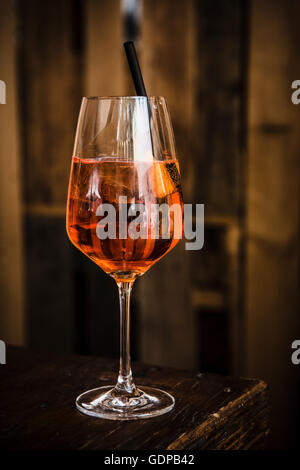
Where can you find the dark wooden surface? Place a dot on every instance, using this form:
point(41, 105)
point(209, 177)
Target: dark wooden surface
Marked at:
point(37, 409)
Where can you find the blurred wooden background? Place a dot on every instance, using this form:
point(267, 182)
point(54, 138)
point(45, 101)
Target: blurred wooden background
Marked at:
point(226, 68)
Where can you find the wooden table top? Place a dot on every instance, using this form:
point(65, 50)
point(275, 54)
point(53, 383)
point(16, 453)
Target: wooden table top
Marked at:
point(37, 407)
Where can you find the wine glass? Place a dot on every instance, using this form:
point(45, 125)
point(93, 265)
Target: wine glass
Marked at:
point(124, 212)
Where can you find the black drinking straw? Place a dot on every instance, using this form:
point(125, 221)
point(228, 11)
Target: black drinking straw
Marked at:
point(137, 77)
point(135, 68)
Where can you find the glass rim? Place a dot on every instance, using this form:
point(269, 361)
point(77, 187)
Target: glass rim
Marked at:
point(120, 97)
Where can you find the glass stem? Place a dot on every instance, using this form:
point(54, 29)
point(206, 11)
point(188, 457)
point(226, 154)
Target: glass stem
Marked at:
point(125, 381)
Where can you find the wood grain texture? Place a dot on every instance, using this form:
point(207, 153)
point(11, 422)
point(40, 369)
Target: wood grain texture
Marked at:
point(67, 49)
point(105, 74)
point(272, 301)
point(206, 93)
point(167, 48)
point(50, 77)
point(167, 320)
point(211, 412)
point(218, 120)
point(104, 56)
point(11, 246)
point(50, 296)
point(219, 126)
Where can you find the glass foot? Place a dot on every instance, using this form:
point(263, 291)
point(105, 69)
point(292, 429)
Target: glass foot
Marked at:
point(109, 403)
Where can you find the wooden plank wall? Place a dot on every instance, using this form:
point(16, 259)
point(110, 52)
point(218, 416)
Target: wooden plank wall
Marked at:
point(206, 95)
point(272, 301)
point(104, 58)
point(167, 320)
point(50, 92)
point(103, 75)
point(220, 154)
point(11, 246)
point(66, 51)
point(240, 295)
point(71, 304)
